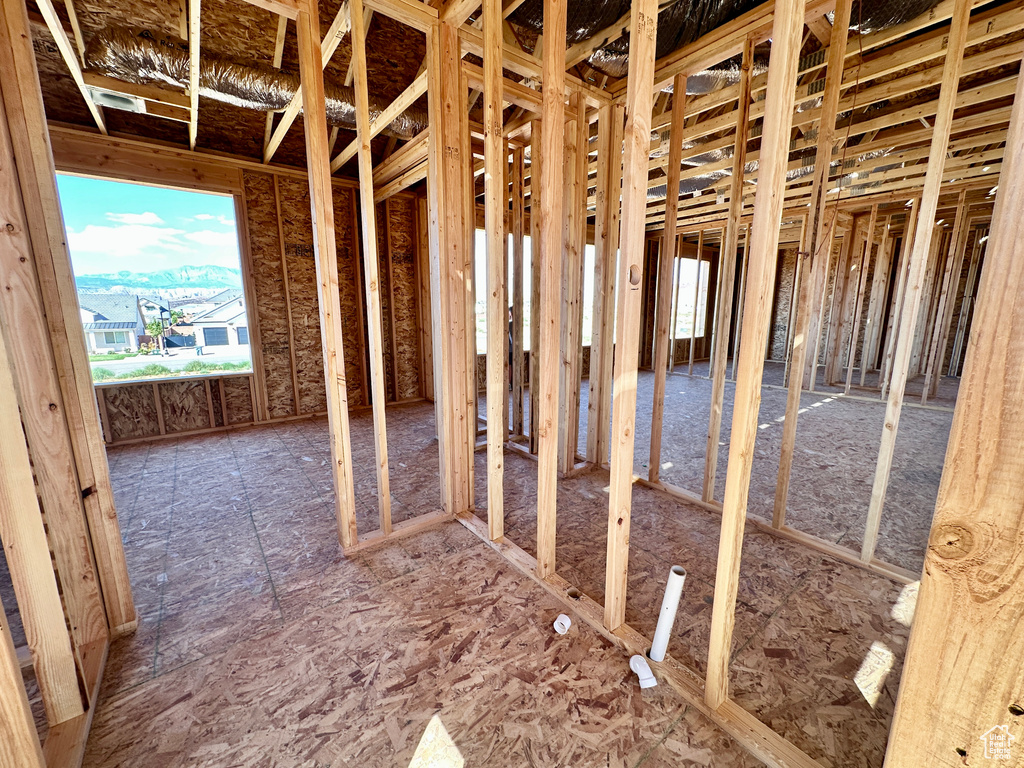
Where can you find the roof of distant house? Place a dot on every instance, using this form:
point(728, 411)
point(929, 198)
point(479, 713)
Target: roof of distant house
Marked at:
point(227, 311)
point(112, 311)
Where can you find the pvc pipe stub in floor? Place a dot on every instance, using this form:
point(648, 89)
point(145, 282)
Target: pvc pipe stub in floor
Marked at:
point(643, 671)
point(562, 624)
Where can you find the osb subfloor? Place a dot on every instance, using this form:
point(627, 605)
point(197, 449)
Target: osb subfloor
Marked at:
point(260, 645)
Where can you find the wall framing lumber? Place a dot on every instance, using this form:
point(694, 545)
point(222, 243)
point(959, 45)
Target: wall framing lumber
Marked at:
point(28, 559)
point(549, 217)
point(317, 163)
point(518, 276)
point(862, 281)
point(19, 743)
point(371, 270)
point(536, 163)
point(727, 275)
point(639, 99)
point(955, 685)
point(495, 205)
point(763, 258)
point(665, 272)
point(916, 269)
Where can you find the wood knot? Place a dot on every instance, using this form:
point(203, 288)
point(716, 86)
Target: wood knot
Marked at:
point(952, 542)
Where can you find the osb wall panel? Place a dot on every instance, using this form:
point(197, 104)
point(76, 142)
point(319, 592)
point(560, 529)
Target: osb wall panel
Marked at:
point(131, 411)
point(350, 284)
point(401, 218)
point(270, 299)
point(297, 225)
point(785, 276)
point(238, 400)
point(184, 405)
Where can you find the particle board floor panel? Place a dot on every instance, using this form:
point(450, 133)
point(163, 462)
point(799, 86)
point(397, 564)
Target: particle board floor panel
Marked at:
point(818, 644)
point(259, 644)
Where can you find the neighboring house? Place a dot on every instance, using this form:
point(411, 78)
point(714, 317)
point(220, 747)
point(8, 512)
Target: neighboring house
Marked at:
point(201, 305)
point(224, 325)
point(112, 322)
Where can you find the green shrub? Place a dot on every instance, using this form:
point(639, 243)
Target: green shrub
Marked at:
point(103, 374)
point(149, 371)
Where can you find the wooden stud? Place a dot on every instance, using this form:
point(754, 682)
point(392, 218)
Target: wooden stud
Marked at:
point(944, 314)
point(19, 743)
point(572, 285)
point(550, 275)
point(606, 241)
point(371, 267)
point(285, 284)
point(838, 300)
point(738, 321)
point(364, 376)
point(955, 689)
point(639, 98)
point(696, 298)
point(727, 276)
point(193, 70)
point(797, 280)
point(28, 559)
point(282, 31)
point(67, 52)
point(325, 249)
point(391, 297)
point(862, 282)
point(497, 306)
point(259, 372)
point(677, 281)
point(518, 275)
point(816, 247)
point(423, 298)
point(666, 264)
point(536, 157)
point(896, 311)
point(968, 301)
point(763, 260)
point(879, 286)
point(916, 268)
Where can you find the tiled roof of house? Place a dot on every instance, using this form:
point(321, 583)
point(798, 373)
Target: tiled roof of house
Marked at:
point(112, 307)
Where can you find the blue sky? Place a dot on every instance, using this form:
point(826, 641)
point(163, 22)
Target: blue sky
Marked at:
point(114, 226)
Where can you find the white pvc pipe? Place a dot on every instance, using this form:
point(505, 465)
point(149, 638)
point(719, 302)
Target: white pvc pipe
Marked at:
point(667, 617)
point(645, 677)
point(562, 624)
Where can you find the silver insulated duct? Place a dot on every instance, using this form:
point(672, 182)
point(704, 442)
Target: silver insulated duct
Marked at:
point(137, 56)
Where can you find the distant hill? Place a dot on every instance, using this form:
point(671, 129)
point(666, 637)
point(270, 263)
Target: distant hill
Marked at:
point(182, 280)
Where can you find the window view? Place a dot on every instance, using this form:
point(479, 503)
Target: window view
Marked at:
point(480, 277)
point(685, 282)
point(159, 280)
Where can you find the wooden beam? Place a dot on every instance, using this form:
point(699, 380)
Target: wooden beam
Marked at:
point(518, 276)
point(193, 70)
point(282, 31)
point(311, 71)
point(338, 29)
point(955, 689)
point(917, 266)
point(696, 297)
point(19, 742)
point(816, 247)
point(764, 244)
point(879, 287)
point(371, 268)
point(445, 194)
point(862, 281)
point(549, 272)
point(727, 276)
point(67, 52)
point(412, 13)
point(387, 116)
point(495, 205)
point(639, 98)
point(944, 312)
point(28, 560)
point(666, 264)
point(287, 8)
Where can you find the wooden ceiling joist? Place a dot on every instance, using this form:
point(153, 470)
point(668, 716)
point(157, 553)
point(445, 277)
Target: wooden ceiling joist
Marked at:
point(67, 52)
point(193, 70)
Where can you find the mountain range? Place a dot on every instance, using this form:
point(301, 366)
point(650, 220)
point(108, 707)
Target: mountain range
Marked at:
point(182, 280)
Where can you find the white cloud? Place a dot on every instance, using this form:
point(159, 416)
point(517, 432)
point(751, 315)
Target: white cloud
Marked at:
point(214, 239)
point(226, 221)
point(203, 217)
point(127, 241)
point(148, 218)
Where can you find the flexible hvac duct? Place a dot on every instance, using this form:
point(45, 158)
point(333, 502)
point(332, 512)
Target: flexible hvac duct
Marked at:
point(137, 56)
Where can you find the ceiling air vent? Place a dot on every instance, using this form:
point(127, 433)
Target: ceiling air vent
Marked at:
point(119, 101)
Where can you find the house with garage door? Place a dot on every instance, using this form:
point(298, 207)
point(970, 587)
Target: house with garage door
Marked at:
point(112, 322)
point(226, 324)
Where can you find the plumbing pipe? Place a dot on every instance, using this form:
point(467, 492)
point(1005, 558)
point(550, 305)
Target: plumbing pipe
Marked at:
point(562, 624)
point(667, 617)
point(643, 671)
